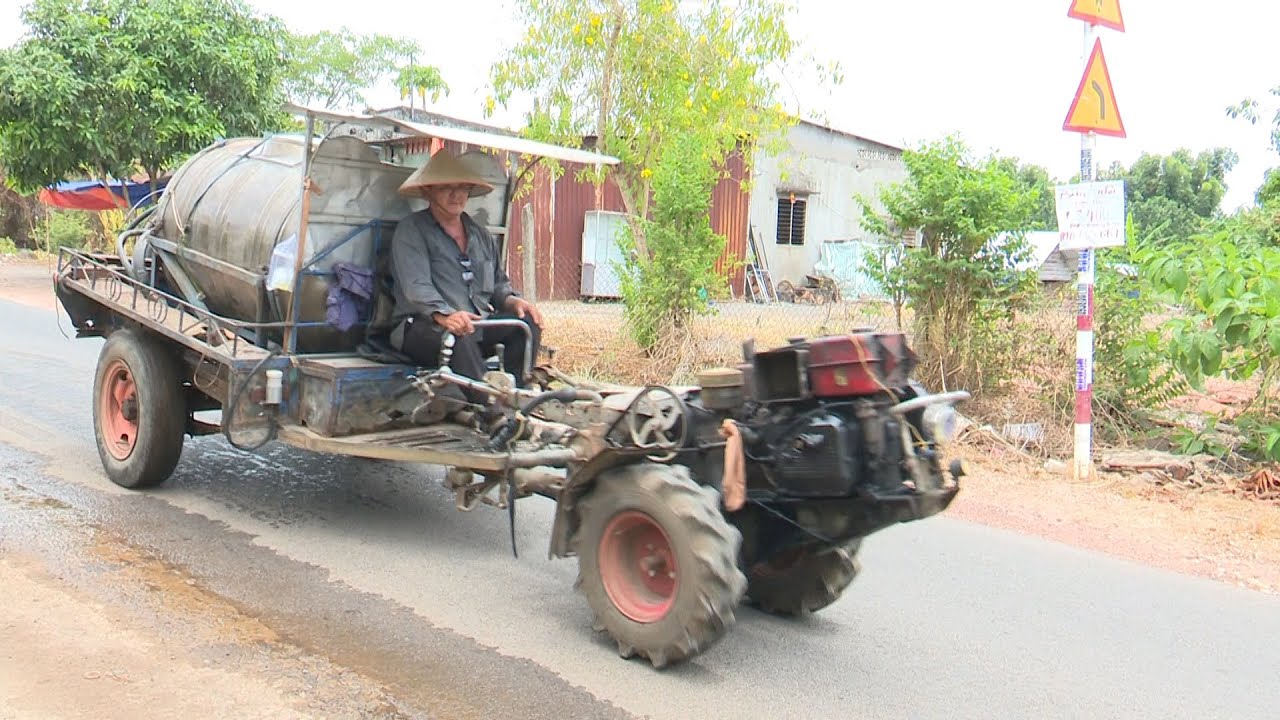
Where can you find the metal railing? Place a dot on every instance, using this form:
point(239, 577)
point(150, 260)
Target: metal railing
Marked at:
point(152, 306)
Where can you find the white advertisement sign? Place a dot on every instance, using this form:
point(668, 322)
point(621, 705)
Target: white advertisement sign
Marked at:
point(1090, 215)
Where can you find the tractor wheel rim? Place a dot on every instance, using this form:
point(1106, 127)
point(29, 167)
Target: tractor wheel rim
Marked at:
point(638, 567)
point(117, 402)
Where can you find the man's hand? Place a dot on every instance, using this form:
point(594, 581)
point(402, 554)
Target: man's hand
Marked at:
point(522, 307)
point(458, 323)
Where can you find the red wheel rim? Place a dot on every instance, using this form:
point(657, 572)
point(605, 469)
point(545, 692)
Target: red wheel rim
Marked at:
point(638, 567)
point(118, 410)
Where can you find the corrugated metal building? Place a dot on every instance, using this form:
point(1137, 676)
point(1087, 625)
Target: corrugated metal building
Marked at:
point(557, 210)
point(805, 197)
point(802, 199)
point(1051, 263)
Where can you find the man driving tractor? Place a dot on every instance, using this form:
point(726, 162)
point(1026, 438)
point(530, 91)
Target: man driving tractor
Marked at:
point(447, 274)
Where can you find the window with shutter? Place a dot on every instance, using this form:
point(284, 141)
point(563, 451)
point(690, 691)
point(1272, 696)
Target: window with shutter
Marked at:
point(791, 216)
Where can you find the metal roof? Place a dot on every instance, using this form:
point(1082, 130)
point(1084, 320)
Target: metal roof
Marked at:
point(462, 135)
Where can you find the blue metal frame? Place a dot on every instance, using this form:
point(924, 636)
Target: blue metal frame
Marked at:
point(375, 226)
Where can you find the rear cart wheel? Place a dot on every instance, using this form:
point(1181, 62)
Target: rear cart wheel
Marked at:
point(799, 582)
point(139, 410)
point(658, 562)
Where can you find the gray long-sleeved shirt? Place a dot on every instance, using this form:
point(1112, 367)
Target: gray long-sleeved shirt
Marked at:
point(428, 272)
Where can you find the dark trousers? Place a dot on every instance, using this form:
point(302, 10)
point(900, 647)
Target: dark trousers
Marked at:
point(423, 339)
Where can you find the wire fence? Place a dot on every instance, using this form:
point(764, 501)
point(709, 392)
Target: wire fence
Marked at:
point(586, 327)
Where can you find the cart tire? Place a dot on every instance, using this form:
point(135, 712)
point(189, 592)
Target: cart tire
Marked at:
point(658, 562)
point(803, 583)
point(139, 410)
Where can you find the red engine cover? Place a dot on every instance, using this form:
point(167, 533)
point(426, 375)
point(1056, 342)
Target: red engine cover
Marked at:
point(861, 364)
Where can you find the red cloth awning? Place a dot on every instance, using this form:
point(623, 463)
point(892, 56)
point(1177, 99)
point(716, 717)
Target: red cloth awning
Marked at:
point(89, 198)
point(98, 195)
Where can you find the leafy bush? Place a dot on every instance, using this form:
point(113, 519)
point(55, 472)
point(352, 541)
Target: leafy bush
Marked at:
point(7, 246)
point(665, 287)
point(66, 228)
point(1231, 326)
point(962, 283)
point(1131, 371)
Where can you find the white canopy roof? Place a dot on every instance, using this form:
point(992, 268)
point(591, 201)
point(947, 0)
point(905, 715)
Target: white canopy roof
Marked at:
point(471, 137)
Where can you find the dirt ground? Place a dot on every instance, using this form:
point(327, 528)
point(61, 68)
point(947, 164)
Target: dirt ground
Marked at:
point(1206, 533)
point(28, 281)
point(102, 658)
point(100, 661)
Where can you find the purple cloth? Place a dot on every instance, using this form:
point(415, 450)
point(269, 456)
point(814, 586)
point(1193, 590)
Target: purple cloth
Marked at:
point(349, 296)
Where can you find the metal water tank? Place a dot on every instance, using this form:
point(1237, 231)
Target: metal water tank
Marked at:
point(228, 208)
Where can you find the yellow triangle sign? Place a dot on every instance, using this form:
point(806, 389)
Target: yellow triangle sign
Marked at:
point(1098, 12)
point(1094, 108)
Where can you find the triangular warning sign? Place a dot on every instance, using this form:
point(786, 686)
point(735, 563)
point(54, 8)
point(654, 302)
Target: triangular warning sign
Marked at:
point(1099, 12)
point(1095, 109)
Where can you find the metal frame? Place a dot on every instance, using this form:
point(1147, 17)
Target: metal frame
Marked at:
point(306, 270)
point(438, 444)
point(81, 272)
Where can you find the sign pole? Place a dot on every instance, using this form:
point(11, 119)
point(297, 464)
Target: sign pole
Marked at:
point(1083, 445)
point(1090, 213)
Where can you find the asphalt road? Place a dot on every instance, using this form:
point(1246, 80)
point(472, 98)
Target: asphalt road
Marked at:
point(370, 565)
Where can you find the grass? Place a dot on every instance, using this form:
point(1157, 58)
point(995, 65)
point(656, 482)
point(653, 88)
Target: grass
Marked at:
point(592, 341)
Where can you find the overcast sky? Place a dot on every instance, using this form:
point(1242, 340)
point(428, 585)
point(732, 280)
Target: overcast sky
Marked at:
point(1000, 72)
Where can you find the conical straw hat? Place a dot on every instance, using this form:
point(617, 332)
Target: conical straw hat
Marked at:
point(444, 169)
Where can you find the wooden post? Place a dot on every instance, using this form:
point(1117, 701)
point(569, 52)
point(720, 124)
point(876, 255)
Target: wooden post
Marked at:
point(529, 242)
point(291, 326)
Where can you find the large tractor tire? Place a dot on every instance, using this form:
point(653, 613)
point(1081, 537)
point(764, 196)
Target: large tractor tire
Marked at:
point(802, 582)
point(139, 410)
point(658, 562)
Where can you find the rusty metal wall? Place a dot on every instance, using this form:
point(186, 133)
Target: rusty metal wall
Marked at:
point(540, 198)
point(730, 213)
point(573, 199)
point(559, 209)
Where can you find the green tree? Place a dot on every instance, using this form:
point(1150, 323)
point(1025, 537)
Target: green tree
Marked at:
point(334, 68)
point(648, 78)
point(100, 87)
point(962, 282)
point(420, 81)
point(1173, 196)
point(1269, 192)
point(1036, 181)
point(1251, 109)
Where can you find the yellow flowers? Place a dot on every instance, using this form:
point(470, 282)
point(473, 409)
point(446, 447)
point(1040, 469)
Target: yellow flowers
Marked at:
point(489, 105)
point(715, 94)
point(595, 21)
point(688, 102)
point(577, 29)
point(646, 173)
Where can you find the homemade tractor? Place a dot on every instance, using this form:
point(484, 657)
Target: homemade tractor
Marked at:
point(756, 484)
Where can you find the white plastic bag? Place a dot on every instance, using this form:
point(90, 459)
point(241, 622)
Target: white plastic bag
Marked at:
point(280, 270)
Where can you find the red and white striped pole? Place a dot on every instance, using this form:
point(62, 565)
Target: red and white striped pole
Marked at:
point(1084, 314)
